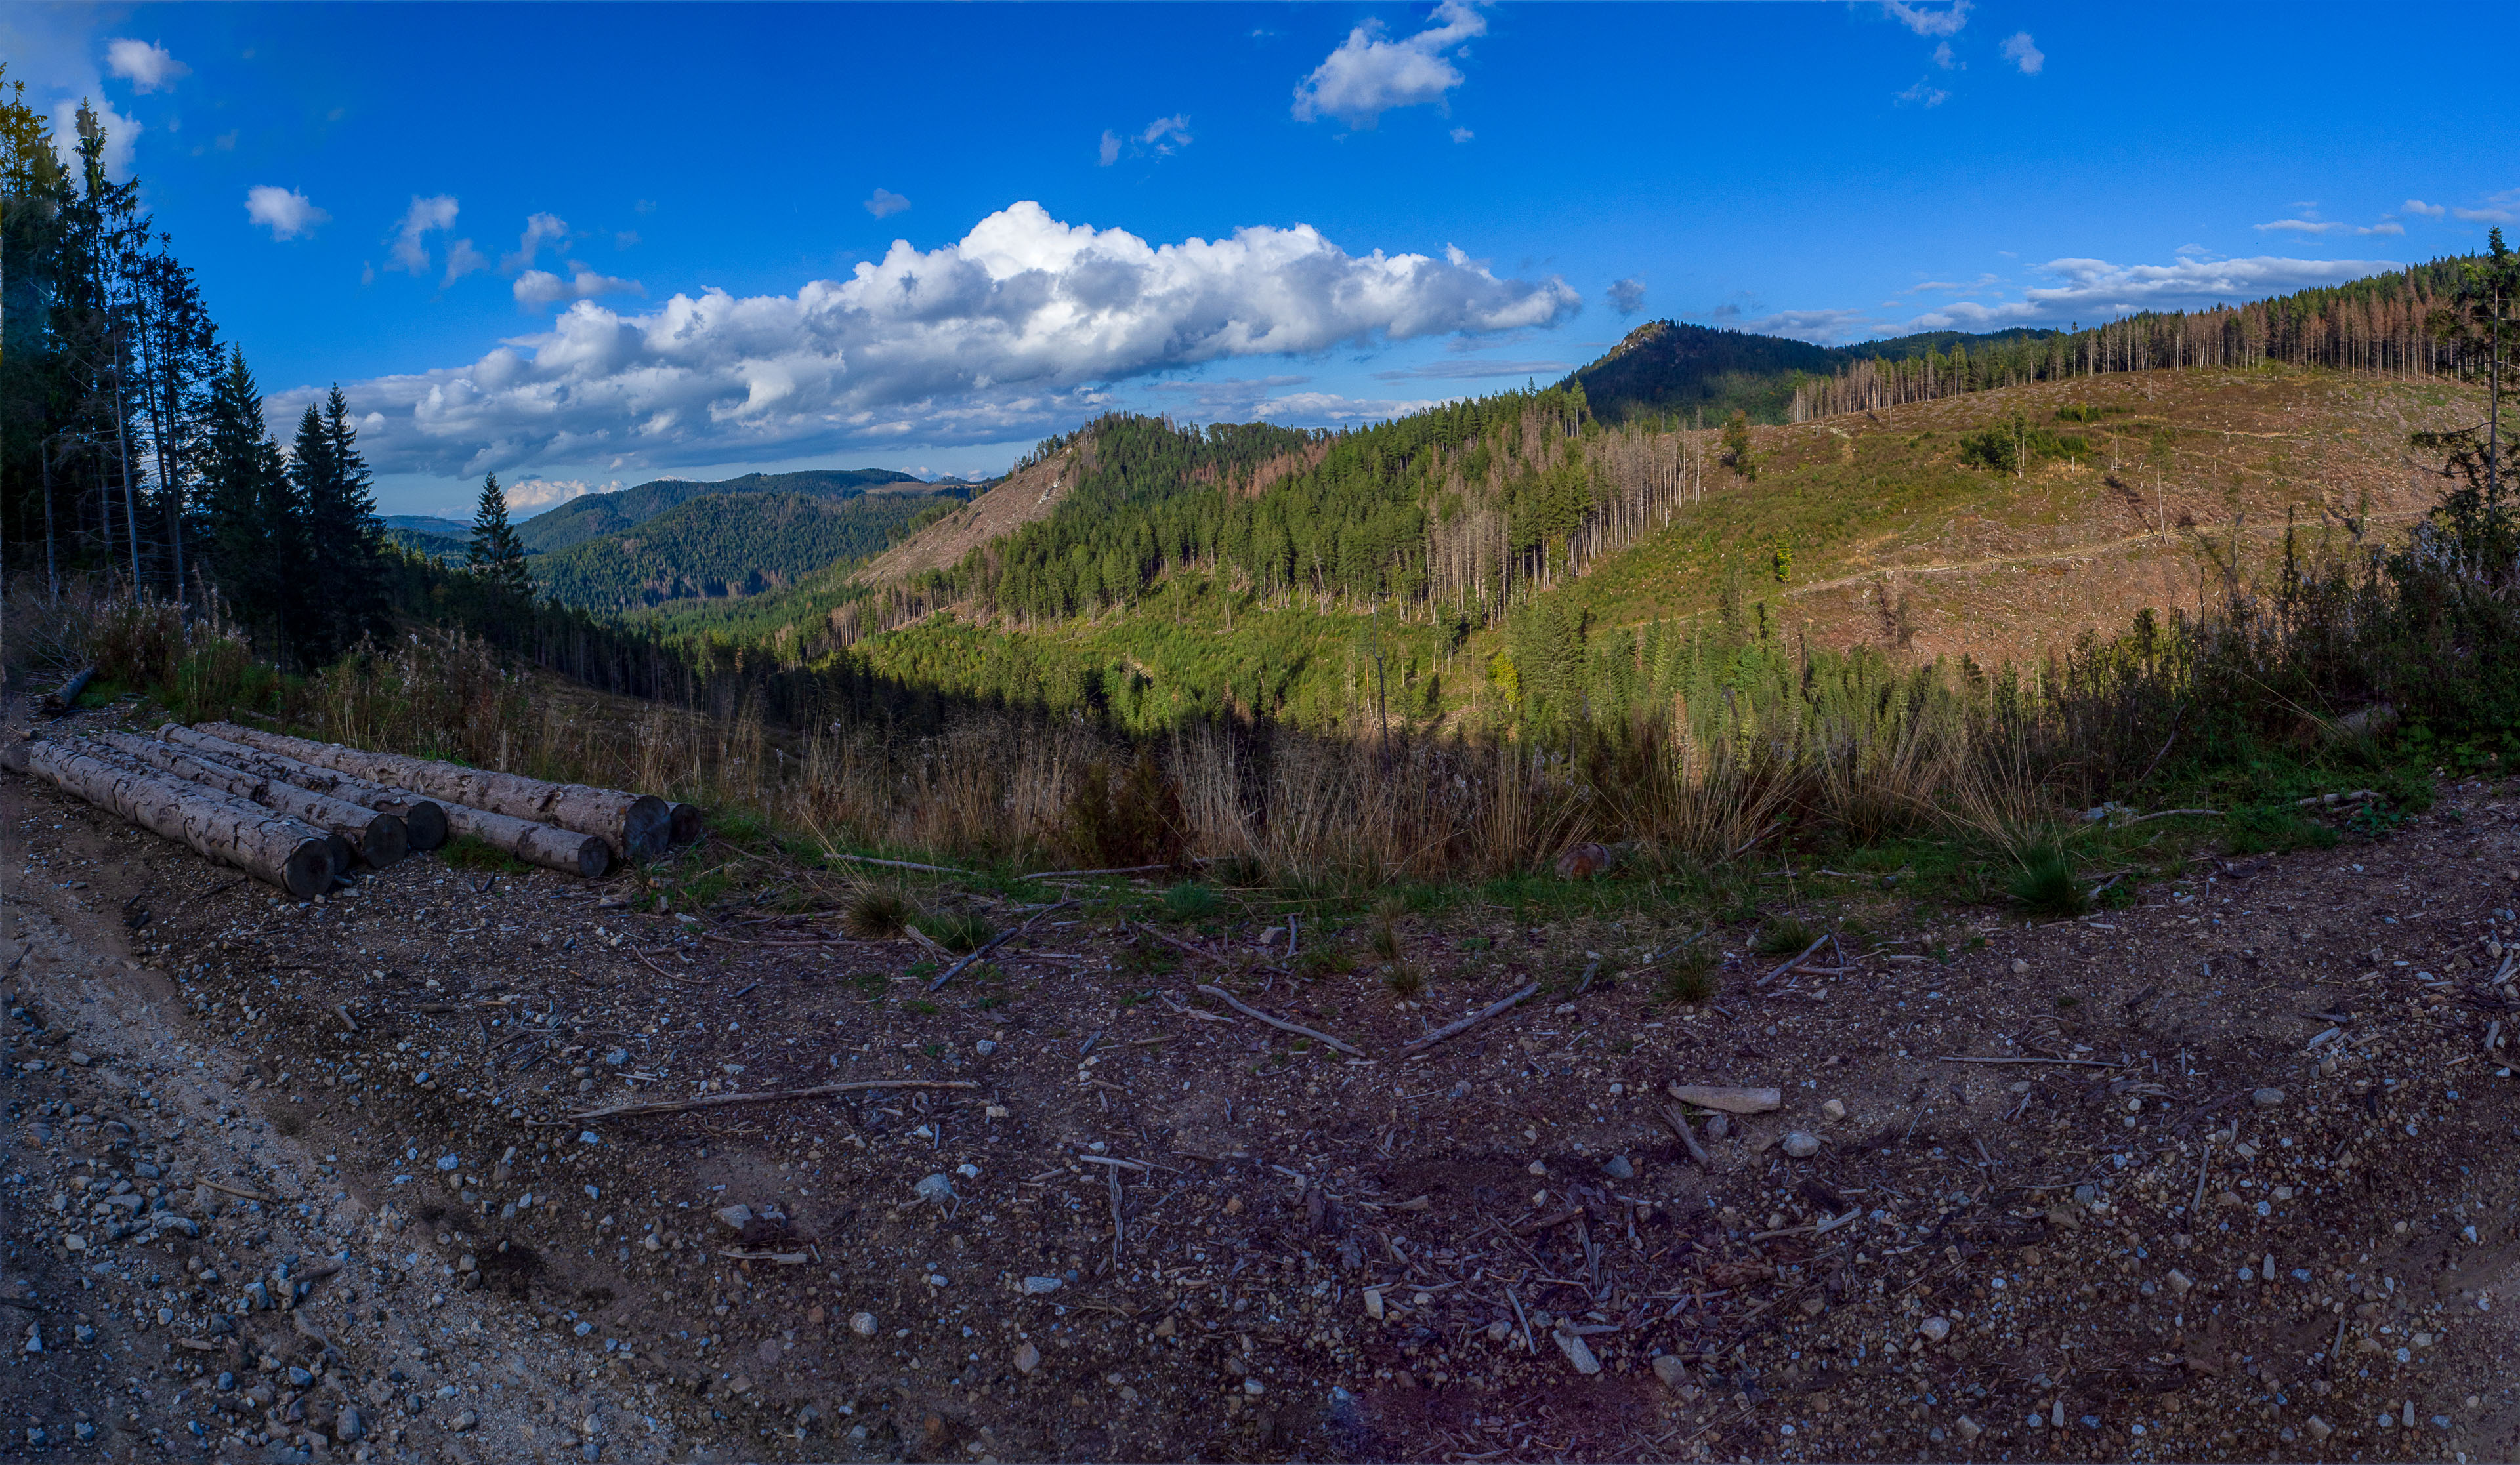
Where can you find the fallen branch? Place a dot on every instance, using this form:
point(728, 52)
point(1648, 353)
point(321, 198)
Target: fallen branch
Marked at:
point(1247, 1010)
point(2170, 813)
point(1454, 1029)
point(1678, 1117)
point(991, 945)
point(1063, 874)
point(784, 1258)
point(718, 1100)
point(1755, 838)
point(1730, 1099)
point(2356, 797)
point(243, 1195)
point(933, 870)
point(2060, 1062)
point(1797, 961)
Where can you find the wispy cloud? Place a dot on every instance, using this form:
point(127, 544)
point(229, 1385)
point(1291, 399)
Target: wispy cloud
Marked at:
point(2426, 210)
point(1923, 21)
point(1020, 325)
point(409, 250)
point(1468, 368)
point(463, 260)
point(1369, 76)
point(541, 229)
point(1627, 296)
point(1923, 94)
point(146, 65)
point(886, 203)
point(1819, 327)
point(2318, 227)
point(541, 287)
point(2023, 52)
point(1160, 138)
point(284, 211)
point(2094, 289)
point(1944, 58)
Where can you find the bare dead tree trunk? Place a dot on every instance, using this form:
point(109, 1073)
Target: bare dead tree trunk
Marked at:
point(378, 838)
point(270, 847)
point(423, 821)
point(634, 826)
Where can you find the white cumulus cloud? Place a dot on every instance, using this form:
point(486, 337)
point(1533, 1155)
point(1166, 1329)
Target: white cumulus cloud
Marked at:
point(886, 203)
point(2023, 52)
point(1627, 296)
point(284, 211)
point(1017, 328)
point(1923, 21)
point(1369, 76)
point(146, 65)
point(539, 288)
point(409, 250)
point(2426, 210)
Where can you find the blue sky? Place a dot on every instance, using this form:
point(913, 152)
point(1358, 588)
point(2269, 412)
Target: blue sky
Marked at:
point(585, 246)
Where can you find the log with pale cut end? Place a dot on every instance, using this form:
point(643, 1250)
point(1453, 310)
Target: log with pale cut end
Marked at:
point(378, 838)
point(635, 825)
point(270, 847)
point(688, 826)
point(424, 822)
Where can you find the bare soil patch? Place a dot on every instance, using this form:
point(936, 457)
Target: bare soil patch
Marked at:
point(1314, 1256)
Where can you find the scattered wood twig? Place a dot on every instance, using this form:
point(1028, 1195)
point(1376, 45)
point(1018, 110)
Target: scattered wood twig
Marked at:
point(1797, 961)
point(1678, 1117)
point(933, 870)
point(992, 943)
point(2058, 1062)
point(1455, 1029)
point(243, 1195)
point(1247, 1010)
point(1078, 874)
point(2325, 799)
point(719, 1100)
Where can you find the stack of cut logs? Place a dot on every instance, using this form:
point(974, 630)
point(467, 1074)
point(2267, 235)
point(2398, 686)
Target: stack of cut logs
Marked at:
point(299, 813)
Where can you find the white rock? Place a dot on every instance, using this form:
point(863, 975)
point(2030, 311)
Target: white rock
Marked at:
point(733, 1216)
point(1801, 1147)
point(936, 1190)
point(1028, 1358)
point(1935, 1329)
point(2267, 1098)
point(1374, 1302)
point(1834, 1108)
point(1040, 1286)
point(1970, 1430)
point(863, 1324)
point(2179, 1282)
point(1718, 1126)
point(1578, 1353)
point(1671, 1370)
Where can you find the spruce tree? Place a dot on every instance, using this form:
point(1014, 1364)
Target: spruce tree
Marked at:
point(256, 523)
point(497, 556)
point(346, 543)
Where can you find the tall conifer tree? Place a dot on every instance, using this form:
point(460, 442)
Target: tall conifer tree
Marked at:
point(344, 540)
point(497, 556)
point(258, 543)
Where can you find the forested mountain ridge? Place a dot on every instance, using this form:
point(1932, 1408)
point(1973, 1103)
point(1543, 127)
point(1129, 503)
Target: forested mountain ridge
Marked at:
point(721, 545)
point(584, 518)
point(1996, 525)
point(1684, 373)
